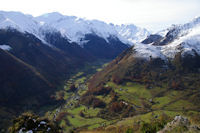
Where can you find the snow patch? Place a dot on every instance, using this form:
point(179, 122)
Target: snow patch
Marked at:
point(30, 131)
point(5, 47)
point(43, 122)
point(147, 51)
point(48, 129)
point(21, 131)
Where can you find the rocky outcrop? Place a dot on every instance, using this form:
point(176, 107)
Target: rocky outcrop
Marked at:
point(180, 124)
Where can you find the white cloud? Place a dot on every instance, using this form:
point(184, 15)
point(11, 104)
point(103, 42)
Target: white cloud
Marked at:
point(153, 14)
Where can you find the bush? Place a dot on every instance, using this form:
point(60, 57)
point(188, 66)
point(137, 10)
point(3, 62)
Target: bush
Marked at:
point(60, 95)
point(72, 88)
point(101, 90)
point(97, 103)
point(116, 80)
point(60, 116)
point(151, 128)
point(117, 107)
point(82, 114)
point(130, 130)
point(195, 118)
point(29, 121)
point(113, 96)
point(155, 125)
point(92, 101)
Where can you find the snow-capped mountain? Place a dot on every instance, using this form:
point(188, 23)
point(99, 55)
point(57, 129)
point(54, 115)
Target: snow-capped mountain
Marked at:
point(184, 39)
point(21, 22)
point(158, 61)
point(132, 33)
point(71, 27)
point(76, 28)
point(166, 44)
point(56, 30)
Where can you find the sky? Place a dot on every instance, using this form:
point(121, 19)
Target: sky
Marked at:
point(154, 15)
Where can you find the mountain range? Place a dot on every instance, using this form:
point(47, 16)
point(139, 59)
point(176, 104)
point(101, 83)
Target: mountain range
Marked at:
point(167, 56)
point(155, 78)
point(71, 27)
point(52, 45)
point(38, 54)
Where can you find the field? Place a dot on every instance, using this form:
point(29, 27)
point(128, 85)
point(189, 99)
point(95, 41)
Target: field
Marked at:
point(148, 104)
point(69, 112)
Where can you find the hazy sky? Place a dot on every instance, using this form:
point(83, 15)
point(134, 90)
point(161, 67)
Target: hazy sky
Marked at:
point(151, 14)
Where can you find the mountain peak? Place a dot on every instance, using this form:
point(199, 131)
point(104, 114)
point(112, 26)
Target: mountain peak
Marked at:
point(183, 39)
point(55, 14)
point(76, 28)
point(196, 20)
point(50, 17)
point(71, 27)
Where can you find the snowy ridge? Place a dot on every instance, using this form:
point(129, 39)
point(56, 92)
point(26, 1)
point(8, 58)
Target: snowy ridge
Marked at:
point(71, 27)
point(147, 51)
point(21, 22)
point(188, 44)
point(180, 30)
point(132, 33)
point(164, 32)
point(76, 28)
point(186, 41)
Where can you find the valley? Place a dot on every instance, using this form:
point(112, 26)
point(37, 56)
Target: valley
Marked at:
point(65, 74)
point(68, 114)
point(145, 105)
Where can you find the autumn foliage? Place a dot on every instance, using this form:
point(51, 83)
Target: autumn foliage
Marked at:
point(117, 107)
point(116, 79)
point(100, 90)
point(92, 100)
point(60, 116)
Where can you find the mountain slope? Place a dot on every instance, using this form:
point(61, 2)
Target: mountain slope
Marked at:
point(32, 51)
point(175, 59)
point(15, 88)
point(153, 80)
point(36, 57)
point(44, 48)
point(31, 72)
point(54, 28)
point(96, 37)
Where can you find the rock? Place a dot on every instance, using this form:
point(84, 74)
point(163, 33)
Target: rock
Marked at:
point(180, 121)
point(151, 101)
